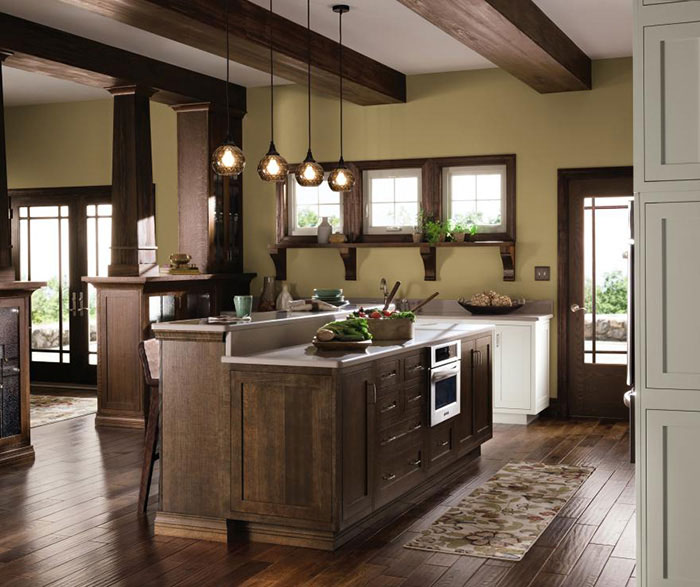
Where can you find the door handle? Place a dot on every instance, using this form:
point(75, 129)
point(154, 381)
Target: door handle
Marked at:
point(73, 303)
point(576, 308)
point(81, 308)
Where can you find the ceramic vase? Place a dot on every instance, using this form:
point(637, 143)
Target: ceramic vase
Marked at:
point(324, 231)
point(284, 299)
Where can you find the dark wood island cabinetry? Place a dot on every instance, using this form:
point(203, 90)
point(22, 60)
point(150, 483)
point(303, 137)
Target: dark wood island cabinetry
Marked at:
point(315, 453)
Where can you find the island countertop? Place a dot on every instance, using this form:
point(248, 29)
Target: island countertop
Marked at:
point(427, 333)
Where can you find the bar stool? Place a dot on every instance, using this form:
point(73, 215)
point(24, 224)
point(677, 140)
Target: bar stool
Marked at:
point(149, 355)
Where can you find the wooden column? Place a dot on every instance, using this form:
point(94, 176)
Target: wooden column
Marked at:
point(133, 199)
point(7, 273)
point(210, 207)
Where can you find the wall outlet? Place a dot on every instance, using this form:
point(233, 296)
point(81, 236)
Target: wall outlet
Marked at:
point(542, 273)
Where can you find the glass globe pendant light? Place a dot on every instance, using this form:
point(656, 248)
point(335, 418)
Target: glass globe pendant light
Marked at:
point(228, 159)
point(341, 179)
point(309, 173)
point(272, 167)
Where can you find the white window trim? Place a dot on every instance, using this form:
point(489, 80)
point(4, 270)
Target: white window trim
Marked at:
point(291, 209)
point(502, 169)
point(370, 174)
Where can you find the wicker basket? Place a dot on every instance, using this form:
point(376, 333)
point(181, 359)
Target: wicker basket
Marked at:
point(391, 329)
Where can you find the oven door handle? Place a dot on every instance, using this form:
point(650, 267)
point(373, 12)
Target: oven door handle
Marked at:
point(445, 372)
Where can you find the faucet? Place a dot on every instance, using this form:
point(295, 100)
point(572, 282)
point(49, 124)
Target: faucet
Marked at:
point(383, 288)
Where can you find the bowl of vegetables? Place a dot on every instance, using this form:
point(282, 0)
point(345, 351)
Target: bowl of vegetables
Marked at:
point(350, 334)
point(388, 324)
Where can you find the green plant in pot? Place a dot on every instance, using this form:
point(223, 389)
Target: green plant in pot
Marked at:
point(434, 231)
point(459, 227)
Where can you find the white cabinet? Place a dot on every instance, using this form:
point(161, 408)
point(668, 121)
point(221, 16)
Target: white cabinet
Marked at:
point(671, 285)
point(520, 371)
point(672, 481)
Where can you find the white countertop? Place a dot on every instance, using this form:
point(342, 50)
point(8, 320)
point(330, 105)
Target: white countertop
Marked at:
point(427, 333)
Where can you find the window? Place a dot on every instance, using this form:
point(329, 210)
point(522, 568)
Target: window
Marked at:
point(392, 200)
point(476, 195)
point(308, 206)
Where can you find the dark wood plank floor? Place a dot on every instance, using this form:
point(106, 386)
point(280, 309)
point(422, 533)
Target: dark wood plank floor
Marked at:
point(70, 519)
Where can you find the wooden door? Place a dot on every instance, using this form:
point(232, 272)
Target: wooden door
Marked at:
point(671, 286)
point(483, 389)
point(358, 397)
point(59, 236)
point(593, 293)
point(671, 96)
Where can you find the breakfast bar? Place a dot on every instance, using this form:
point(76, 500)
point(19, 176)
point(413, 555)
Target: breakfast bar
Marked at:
point(268, 438)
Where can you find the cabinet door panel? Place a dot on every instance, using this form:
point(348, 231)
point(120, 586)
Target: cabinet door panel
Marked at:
point(483, 401)
point(672, 283)
point(513, 367)
point(671, 98)
point(465, 420)
point(672, 479)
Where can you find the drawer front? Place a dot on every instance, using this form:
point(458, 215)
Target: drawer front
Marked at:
point(389, 407)
point(410, 426)
point(441, 443)
point(415, 366)
point(414, 398)
point(399, 471)
point(388, 373)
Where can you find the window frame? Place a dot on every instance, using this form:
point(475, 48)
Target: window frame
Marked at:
point(501, 169)
point(400, 172)
point(292, 229)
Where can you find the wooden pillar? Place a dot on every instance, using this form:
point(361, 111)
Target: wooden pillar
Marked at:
point(210, 207)
point(7, 272)
point(133, 199)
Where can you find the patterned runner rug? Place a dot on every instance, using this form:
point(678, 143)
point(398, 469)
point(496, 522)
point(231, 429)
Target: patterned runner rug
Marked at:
point(506, 515)
point(47, 409)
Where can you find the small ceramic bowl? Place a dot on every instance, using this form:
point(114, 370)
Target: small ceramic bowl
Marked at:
point(180, 258)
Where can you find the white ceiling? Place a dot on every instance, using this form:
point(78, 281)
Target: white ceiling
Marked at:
point(382, 29)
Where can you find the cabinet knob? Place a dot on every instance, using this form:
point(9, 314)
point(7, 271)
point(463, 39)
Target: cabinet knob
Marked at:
point(389, 477)
point(415, 463)
point(444, 443)
point(576, 308)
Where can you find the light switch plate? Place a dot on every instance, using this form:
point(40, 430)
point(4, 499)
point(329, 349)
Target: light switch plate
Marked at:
point(542, 273)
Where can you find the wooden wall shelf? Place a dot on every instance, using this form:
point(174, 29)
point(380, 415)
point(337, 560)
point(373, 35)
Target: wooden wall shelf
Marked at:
point(428, 252)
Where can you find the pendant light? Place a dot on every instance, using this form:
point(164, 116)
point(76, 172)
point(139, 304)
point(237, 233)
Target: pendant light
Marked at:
point(228, 159)
point(309, 173)
point(272, 167)
point(341, 179)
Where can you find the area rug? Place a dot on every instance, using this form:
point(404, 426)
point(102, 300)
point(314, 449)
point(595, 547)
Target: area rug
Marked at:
point(47, 409)
point(505, 516)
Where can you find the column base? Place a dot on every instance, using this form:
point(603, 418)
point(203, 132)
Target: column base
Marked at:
point(195, 527)
point(17, 454)
point(133, 422)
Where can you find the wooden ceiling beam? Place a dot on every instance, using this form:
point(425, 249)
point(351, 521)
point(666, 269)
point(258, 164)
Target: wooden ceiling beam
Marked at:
point(514, 35)
point(201, 24)
point(41, 49)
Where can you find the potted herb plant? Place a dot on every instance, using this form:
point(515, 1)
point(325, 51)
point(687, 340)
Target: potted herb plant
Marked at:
point(434, 231)
point(459, 227)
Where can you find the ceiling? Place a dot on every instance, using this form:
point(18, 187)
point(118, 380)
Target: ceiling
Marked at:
point(382, 29)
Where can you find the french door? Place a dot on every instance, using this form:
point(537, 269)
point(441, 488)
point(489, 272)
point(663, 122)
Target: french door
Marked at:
point(59, 236)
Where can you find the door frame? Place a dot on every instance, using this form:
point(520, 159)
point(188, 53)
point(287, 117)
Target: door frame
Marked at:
point(81, 196)
point(566, 178)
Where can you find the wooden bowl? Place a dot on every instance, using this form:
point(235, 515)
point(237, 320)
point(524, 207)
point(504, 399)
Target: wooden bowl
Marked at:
point(489, 310)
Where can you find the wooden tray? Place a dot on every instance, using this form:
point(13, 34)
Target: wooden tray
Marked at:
point(341, 345)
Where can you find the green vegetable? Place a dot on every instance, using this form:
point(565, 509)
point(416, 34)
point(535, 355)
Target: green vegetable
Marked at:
point(352, 329)
point(403, 315)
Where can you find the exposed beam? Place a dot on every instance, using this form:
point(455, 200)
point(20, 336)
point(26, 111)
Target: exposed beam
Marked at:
point(200, 24)
point(515, 35)
point(38, 48)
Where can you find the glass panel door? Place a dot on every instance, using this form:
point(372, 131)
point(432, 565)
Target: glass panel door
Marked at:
point(99, 239)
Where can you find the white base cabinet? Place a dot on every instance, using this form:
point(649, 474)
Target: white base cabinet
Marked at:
point(520, 370)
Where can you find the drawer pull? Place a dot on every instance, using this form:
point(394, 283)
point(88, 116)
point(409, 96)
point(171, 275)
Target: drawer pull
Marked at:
point(388, 408)
point(389, 477)
point(444, 443)
point(415, 398)
point(416, 427)
point(416, 368)
point(415, 463)
point(384, 376)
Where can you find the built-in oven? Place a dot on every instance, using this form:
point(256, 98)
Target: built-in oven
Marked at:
point(445, 379)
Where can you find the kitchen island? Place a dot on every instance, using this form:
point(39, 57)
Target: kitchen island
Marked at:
point(265, 437)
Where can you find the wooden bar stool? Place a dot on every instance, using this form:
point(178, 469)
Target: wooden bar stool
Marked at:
point(149, 354)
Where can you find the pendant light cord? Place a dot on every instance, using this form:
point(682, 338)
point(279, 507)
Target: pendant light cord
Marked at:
point(228, 54)
point(272, 90)
point(340, 35)
point(308, 49)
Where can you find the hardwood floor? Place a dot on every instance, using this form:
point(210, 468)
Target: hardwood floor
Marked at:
point(70, 519)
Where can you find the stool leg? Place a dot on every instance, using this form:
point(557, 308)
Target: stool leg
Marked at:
point(150, 449)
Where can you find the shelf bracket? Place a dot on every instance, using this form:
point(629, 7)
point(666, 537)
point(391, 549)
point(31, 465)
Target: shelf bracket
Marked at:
point(508, 260)
point(349, 257)
point(429, 256)
point(279, 258)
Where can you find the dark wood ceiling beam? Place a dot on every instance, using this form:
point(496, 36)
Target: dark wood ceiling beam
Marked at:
point(201, 24)
point(41, 49)
point(515, 35)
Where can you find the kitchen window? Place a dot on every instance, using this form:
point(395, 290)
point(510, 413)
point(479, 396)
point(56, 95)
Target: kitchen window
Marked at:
point(476, 195)
point(392, 200)
point(308, 206)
